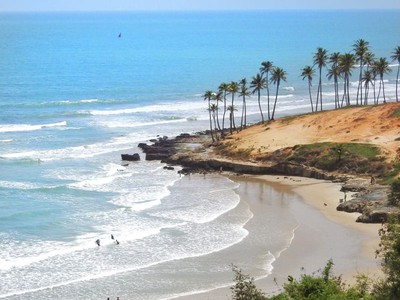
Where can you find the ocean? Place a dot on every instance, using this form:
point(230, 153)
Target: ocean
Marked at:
point(79, 89)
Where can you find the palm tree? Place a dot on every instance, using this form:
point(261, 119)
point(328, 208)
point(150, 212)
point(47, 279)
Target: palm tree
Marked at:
point(360, 48)
point(308, 72)
point(367, 79)
point(320, 58)
point(231, 109)
point(374, 71)
point(278, 74)
point(382, 66)
point(214, 109)
point(217, 97)
point(223, 87)
point(346, 65)
point(369, 58)
point(233, 88)
point(244, 91)
point(394, 57)
point(257, 84)
point(334, 72)
point(266, 68)
point(208, 95)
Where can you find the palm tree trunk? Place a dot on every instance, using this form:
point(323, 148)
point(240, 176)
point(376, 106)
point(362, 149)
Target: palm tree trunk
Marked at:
point(309, 91)
point(243, 108)
point(209, 113)
point(219, 126)
point(397, 82)
point(316, 103)
point(348, 90)
point(276, 99)
point(245, 114)
point(383, 91)
point(230, 121)
point(233, 116)
point(359, 88)
point(259, 106)
point(344, 92)
point(337, 104)
point(223, 117)
point(320, 83)
point(379, 91)
point(267, 86)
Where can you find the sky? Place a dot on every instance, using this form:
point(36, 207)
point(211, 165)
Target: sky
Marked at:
point(134, 5)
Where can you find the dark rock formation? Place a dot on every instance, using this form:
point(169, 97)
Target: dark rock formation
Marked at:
point(130, 157)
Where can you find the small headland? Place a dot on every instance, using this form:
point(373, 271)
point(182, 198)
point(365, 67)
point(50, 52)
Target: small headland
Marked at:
point(356, 146)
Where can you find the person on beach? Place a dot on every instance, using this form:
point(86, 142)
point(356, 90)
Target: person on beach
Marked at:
point(112, 237)
point(116, 241)
point(98, 242)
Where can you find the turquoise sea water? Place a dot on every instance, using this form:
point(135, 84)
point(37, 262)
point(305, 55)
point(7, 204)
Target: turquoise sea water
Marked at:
point(74, 96)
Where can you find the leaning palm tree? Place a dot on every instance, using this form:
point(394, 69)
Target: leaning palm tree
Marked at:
point(278, 74)
point(360, 48)
point(233, 88)
point(208, 95)
point(257, 84)
point(367, 79)
point(308, 72)
point(383, 68)
point(244, 92)
point(223, 87)
point(320, 58)
point(346, 65)
point(394, 57)
point(231, 109)
point(266, 68)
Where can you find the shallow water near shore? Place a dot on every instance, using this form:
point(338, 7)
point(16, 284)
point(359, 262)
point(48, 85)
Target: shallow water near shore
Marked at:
point(74, 96)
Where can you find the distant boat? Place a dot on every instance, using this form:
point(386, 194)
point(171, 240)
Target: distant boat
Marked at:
point(119, 35)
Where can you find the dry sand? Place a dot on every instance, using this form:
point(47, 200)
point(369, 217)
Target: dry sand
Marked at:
point(365, 124)
point(322, 234)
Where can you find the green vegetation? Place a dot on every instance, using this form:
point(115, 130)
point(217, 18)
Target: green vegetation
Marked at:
point(390, 176)
point(231, 150)
point(327, 286)
point(396, 113)
point(394, 197)
point(343, 157)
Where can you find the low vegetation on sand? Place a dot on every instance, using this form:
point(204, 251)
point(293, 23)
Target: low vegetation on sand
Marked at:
point(325, 285)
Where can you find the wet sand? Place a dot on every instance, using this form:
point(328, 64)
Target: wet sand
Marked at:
point(322, 233)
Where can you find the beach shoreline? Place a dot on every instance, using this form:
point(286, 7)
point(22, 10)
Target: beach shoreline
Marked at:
point(323, 233)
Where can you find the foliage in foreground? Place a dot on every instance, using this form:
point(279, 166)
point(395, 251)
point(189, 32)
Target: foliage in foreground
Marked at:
point(327, 286)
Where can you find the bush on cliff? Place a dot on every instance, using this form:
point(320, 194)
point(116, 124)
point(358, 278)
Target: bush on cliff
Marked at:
point(394, 197)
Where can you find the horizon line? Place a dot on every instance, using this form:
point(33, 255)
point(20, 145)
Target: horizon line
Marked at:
point(197, 10)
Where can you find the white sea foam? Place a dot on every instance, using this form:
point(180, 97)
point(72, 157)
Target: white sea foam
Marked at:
point(19, 185)
point(6, 141)
point(29, 127)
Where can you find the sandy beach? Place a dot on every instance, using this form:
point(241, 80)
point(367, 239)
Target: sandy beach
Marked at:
point(322, 232)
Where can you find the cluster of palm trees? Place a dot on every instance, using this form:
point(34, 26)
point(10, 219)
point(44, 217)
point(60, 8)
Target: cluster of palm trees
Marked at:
point(340, 67)
point(268, 74)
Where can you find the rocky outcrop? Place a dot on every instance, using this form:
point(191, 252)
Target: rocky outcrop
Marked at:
point(130, 157)
point(194, 153)
point(370, 200)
